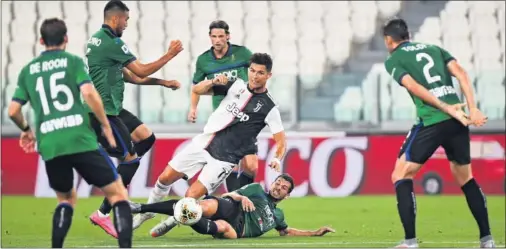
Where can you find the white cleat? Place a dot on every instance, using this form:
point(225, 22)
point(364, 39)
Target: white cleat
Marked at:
point(487, 244)
point(141, 218)
point(410, 243)
point(163, 227)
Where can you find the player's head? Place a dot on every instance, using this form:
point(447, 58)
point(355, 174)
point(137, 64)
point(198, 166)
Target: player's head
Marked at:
point(260, 66)
point(116, 15)
point(53, 33)
point(281, 187)
point(219, 34)
point(395, 31)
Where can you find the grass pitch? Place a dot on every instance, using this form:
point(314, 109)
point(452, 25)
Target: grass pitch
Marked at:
point(360, 221)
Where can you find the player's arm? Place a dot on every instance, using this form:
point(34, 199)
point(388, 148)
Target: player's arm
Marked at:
point(216, 86)
point(456, 70)
point(273, 120)
point(289, 231)
point(402, 77)
point(130, 77)
point(121, 53)
point(19, 98)
point(198, 76)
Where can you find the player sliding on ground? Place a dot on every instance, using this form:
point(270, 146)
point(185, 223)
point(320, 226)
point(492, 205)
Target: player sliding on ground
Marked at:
point(426, 72)
point(231, 60)
point(245, 213)
point(53, 83)
point(111, 65)
point(226, 139)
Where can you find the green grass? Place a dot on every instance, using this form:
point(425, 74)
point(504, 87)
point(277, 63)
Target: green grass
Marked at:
point(360, 221)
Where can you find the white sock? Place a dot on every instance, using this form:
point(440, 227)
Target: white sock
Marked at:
point(158, 192)
point(100, 214)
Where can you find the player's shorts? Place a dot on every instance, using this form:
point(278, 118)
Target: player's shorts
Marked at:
point(122, 126)
point(421, 142)
point(194, 158)
point(94, 166)
point(231, 212)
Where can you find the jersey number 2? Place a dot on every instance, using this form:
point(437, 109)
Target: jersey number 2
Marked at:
point(430, 63)
point(54, 89)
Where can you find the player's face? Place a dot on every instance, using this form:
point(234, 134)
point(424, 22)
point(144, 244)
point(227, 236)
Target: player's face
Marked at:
point(219, 39)
point(279, 189)
point(389, 43)
point(122, 22)
point(258, 76)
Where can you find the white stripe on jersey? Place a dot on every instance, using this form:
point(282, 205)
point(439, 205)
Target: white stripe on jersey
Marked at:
point(230, 107)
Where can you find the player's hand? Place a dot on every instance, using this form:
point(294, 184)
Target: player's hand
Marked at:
point(172, 84)
point(107, 133)
point(275, 164)
point(247, 205)
point(175, 47)
point(456, 112)
point(27, 141)
point(324, 230)
point(192, 115)
point(477, 118)
point(222, 79)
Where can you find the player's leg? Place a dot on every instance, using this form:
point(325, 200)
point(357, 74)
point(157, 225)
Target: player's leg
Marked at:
point(246, 172)
point(97, 169)
point(212, 176)
point(218, 228)
point(457, 150)
point(61, 180)
point(141, 135)
point(420, 144)
point(129, 163)
point(185, 164)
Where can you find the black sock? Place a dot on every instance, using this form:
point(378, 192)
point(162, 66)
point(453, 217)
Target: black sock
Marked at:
point(123, 223)
point(164, 207)
point(205, 226)
point(126, 171)
point(245, 179)
point(406, 206)
point(477, 203)
point(62, 219)
point(232, 181)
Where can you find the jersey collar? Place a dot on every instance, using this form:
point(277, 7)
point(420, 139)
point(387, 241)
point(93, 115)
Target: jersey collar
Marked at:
point(228, 53)
point(51, 51)
point(108, 28)
point(251, 91)
point(402, 44)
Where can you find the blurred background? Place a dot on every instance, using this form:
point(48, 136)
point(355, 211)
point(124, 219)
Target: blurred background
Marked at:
point(328, 77)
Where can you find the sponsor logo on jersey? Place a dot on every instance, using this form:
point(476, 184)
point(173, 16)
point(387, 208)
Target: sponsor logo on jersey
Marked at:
point(231, 75)
point(442, 91)
point(61, 123)
point(232, 108)
point(95, 41)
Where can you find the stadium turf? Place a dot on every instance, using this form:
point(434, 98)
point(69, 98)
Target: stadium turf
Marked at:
point(360, 221)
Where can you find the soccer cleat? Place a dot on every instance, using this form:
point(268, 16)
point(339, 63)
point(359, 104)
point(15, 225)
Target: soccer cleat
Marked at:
point(409, 243)
point(487, 244)
point(105, 223)
point(135, 207)
point(163, 227)
point(141, 218)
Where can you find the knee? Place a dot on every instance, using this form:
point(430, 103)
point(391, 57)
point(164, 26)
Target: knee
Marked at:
point(169, 175)
point(404, 171)
point(196, 190)
point(69, 197)
point(250, 163)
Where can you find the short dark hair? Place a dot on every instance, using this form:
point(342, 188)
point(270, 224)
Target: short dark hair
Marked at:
point(287, 178)
point(397, 29)
point(115, 5)
point(53, 32)
point(219, 24)
point(262, 59)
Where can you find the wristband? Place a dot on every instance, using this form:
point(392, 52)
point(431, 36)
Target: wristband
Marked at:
point(27, 128)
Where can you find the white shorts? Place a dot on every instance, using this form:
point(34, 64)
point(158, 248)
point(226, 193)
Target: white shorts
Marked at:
point(194, 158)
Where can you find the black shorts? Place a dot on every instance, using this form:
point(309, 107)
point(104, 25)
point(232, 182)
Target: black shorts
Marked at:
point(422, 142)
point(229, 211)
point(94, 166)
point(122, 126)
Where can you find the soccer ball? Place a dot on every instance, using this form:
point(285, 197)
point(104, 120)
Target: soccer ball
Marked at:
point(187, 211)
